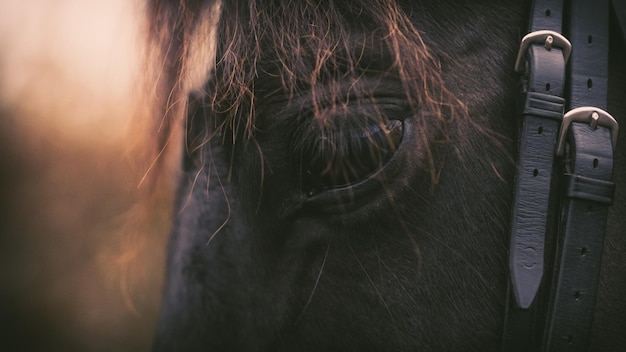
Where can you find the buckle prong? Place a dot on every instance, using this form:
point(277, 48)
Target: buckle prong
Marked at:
point(548, 42)
point(594, 120)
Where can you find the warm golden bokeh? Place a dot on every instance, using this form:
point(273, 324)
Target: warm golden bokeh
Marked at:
point(69, 74)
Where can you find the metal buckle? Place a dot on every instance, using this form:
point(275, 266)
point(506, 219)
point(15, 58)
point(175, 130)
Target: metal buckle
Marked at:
point(549, 39)
point(594, 117)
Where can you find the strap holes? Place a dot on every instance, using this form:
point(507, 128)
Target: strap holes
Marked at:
point(589, 208)
point(595, 163)
point(547, 87)
point(540, 130)
point(548, 12)
point(589, 39)
point(535, 172)
point(577, 295)
point(570, 339)
point(583, 252)
point(589, 84)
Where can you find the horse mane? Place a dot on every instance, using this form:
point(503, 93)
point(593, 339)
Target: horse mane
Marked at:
point(301, 44)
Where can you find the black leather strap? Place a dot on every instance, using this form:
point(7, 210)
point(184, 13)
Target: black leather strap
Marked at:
point(541, 112)
point(541, 116)
point(588, 187)
point(584, 223)
point(540, 125)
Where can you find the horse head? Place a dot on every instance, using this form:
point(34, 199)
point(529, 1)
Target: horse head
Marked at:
point(348, 175)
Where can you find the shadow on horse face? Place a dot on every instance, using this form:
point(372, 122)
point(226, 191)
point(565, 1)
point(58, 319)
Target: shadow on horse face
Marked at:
point(347, 182)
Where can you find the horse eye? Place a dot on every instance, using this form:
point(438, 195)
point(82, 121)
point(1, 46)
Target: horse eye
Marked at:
point(343, 159)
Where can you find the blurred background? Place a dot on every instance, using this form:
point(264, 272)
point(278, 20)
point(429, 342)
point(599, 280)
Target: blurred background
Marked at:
point(74, 275)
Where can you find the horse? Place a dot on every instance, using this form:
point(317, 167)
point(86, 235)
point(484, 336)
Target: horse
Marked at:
point(347, 175)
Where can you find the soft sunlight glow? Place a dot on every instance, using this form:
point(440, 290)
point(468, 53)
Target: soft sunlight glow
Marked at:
point(70, 64)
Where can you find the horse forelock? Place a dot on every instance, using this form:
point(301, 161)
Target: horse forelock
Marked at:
point(225, 53)
point(304, 46)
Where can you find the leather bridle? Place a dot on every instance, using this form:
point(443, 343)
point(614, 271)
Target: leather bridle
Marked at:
point(563, 185)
